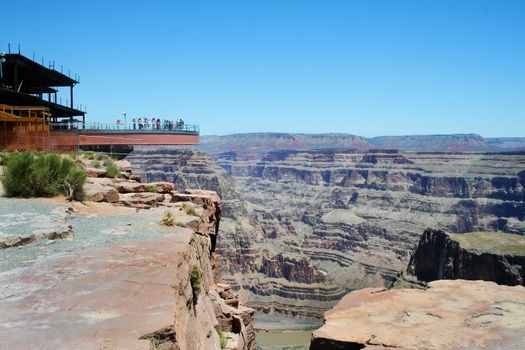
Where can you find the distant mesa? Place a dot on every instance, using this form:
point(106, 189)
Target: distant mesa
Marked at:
point(266, 142)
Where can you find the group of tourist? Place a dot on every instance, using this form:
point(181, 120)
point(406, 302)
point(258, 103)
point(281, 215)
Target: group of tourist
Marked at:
point(155, 124)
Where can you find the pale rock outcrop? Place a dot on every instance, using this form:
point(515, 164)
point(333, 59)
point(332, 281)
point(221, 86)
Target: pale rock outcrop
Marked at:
point(135, 294)
point(101, 190)
point(58, 232)
point(142, 200)
point(450, 314)
point(135, 187)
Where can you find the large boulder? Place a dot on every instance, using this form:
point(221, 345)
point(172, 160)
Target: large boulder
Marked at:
point(101, 190)
point(450, 314)
point(142, 200)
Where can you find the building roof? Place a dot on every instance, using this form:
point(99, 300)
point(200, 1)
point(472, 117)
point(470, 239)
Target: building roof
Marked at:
point(31, 75)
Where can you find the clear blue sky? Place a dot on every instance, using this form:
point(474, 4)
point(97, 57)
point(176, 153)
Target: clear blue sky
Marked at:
point(363, 67)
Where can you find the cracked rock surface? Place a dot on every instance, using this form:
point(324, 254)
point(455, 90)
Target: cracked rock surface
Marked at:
point(450, 314)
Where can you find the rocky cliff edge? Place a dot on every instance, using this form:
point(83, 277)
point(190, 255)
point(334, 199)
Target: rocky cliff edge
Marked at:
point(450, 314)
point(151, 293)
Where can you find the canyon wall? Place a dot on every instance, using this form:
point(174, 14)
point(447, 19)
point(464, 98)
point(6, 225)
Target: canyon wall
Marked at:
point(343, 218)
point(487, 256)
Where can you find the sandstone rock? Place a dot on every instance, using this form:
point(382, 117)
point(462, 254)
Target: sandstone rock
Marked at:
point(141, 200)
point(293, 269)
point(234, 319)
point(133, 187)
point(95, 172)
point(454, 314)
point(101, 190)
point(123, 165)
point(135, 294)
point(59, 232)
point(489, 256)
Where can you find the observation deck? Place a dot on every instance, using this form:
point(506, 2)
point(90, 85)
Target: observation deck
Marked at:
point(123, 134)
point(32, 116)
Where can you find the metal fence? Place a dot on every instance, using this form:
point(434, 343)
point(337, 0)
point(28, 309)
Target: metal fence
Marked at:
point(127, 127)
point(37, 141)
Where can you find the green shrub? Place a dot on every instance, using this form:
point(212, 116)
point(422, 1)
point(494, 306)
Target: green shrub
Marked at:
point(195, 280)
point(223, 340)
point(95, 164)
point(189, 209)
point(89, 155)
point(3, 157)
point(112, 170)
point(101, 156)
point(74, 183)
point(167, 219)
point(153, 188)
point(18, 175)
point(108, 162)
point(43, 175)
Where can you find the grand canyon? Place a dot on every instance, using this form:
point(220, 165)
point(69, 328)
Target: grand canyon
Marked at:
point(303, 224)
point(293, 237)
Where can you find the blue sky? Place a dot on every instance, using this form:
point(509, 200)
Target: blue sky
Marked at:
point(363, 67)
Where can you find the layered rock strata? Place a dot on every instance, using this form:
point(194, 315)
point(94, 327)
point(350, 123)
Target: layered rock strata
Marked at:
point(288, 284)
point(450, 314)
point(355, 215)
point(488, 256)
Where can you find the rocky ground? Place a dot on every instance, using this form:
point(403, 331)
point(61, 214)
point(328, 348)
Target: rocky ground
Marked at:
point(434, 293)
point(450, 314)
point(121, 280)
point(302, 227)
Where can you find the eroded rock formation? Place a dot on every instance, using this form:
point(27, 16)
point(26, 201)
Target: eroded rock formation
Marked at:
point(488, 256)
point(450, 314)
point(354, 215)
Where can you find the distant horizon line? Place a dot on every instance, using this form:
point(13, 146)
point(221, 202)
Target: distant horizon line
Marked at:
point(355, 135)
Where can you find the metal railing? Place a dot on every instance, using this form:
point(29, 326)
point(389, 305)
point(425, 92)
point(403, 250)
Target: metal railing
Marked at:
point(126, 127)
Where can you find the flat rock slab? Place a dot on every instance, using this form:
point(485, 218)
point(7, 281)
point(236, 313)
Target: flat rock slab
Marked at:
point(451, 314)
point(104, 298)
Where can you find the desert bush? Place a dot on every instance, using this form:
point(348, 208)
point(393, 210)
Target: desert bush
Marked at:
point(189, 209)
point(153, 188)
point(167, 219)
point(195, 281)
point(95, 164)
point(223, 340)
point(101, 156)
point(89, 155)
point(112, 170)
point(3, 157)
point(18, 174)
point(43, 175)
point(108, 162)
